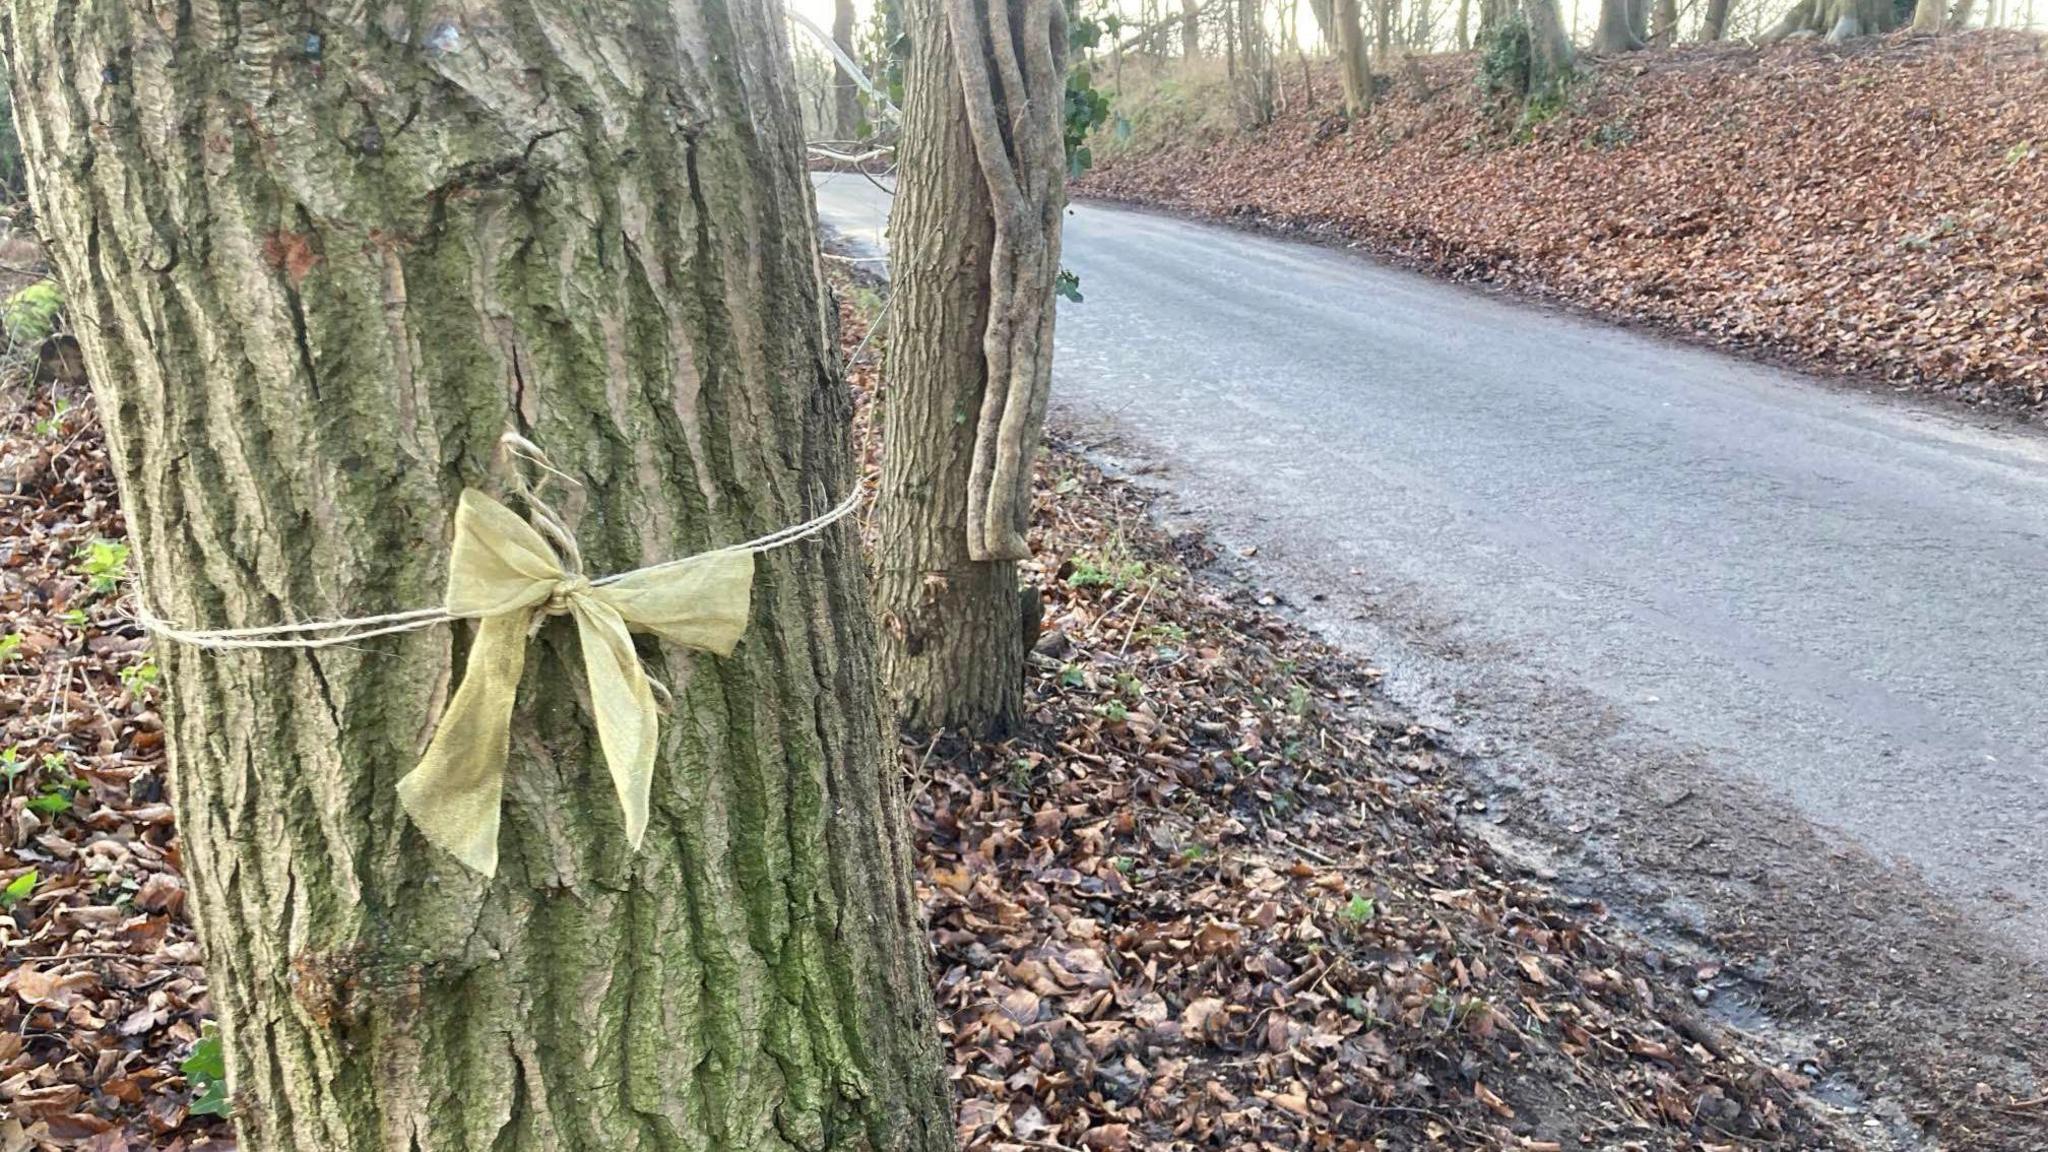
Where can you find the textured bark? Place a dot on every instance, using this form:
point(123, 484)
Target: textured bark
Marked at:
point(1928, 15)
point(1351, 60)
point(319, 261)
point(845, 93)
point(952, 646)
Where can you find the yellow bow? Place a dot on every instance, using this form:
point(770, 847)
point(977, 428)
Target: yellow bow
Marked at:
point(500, 573)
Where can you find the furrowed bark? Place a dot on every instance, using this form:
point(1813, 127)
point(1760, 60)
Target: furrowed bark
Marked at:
point(952, 643)
point(320, 258)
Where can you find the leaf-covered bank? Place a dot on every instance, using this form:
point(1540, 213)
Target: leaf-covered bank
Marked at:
point(1877, 208)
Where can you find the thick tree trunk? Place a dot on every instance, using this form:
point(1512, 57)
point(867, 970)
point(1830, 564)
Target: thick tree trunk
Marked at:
point(1928, 15)
point(1615, 33)
point(845, 93)
point(1714, 25)
point(320, 259)
point(1550, 50)
point(1351, 60)
point(1834, 19)
point(1464, 24)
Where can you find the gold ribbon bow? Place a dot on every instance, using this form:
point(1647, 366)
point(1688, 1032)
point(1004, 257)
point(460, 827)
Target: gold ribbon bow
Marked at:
point(501, 572)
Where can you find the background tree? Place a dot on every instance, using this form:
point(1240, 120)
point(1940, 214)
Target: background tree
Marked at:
point(845, 93)
point(1550, 49)
point(320, 258)
point(1351, 60)
point(1714, 24)
point(975, 235)
point(1664, 23)
point(1615, 33)
point(1835, 19)
point(1190, 29)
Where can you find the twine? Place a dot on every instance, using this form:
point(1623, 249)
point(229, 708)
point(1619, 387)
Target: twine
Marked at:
point(544, 518)
point(509, 575)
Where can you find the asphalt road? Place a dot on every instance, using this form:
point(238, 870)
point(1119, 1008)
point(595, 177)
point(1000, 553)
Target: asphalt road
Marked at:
point(1830, 601)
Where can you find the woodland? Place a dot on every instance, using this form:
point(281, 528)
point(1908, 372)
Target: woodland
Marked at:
point(511, 638)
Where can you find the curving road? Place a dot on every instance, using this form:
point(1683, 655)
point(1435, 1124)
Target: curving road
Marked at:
point(1692, 605)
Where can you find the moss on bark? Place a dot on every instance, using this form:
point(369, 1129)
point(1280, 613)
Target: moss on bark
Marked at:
point(321, 255)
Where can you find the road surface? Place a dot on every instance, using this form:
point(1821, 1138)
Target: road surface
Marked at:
point(1694, 607)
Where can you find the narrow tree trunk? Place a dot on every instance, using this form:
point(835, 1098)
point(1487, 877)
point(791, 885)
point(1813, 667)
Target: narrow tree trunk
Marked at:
point(1464, 25)
point(1351, 60)
point(320, 260)
point(976, 229)
point(1615, 33)
point(1190, 30)
point(1664, 25)
point(1714, 25)
point(846, 94)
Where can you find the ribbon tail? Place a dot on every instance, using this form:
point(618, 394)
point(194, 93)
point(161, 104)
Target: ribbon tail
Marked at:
point(623, 705)
point(455, 793)
point(699, 602)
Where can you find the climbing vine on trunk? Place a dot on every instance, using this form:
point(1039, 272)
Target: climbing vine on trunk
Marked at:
point(1013, 73)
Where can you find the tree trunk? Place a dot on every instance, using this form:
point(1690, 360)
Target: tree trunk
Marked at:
point(1639, 20)
point(976, 236)
point(1492, 13)
point(1550, 50)
point(1190, 30)
point(1326, 18)
point(1351, 60)
point(1664, 25)
point(1964, 10)
point(1834, 19)
point(1464, 25)
point(1253, 72)
point(1614, 33)
point(320, 260)
point(846, 94)
point(1714, 25)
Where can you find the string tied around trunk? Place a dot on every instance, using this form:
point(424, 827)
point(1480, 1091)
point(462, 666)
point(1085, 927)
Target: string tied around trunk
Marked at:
point(509, 574)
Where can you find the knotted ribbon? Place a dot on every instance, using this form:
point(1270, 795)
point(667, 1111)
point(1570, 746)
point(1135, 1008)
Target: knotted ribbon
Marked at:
point(503, 574)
